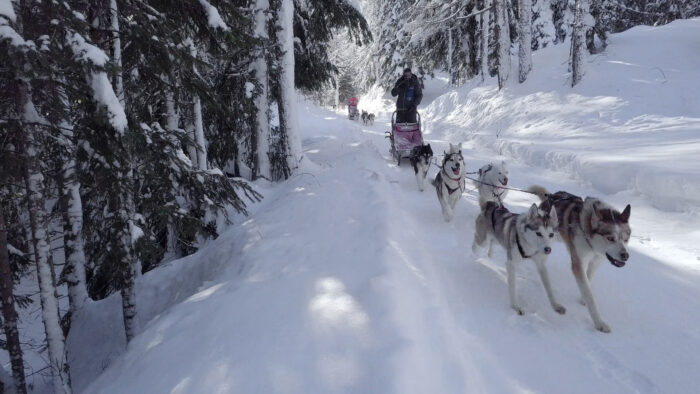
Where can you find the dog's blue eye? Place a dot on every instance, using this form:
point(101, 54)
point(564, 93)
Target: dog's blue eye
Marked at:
point(539, 234)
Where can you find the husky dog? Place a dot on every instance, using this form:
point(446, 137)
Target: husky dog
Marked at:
point(420, 160)
point(492, 178)
point(591, 230)
point(365, 117)
point(370, 119)
point(526, 236)
point(449, 182)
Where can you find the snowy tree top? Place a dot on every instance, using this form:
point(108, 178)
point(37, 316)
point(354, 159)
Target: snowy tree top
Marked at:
point(214, 18)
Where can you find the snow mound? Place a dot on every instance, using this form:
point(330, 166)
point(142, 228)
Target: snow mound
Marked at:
point(632, 124)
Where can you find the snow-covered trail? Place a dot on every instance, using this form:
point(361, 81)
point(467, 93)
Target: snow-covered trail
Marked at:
point(346, 279)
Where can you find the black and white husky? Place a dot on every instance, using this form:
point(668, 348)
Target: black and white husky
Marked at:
point(526, 236)
point(370, 118)
point(493, 177)
point(592, 231)
point(449, 182)
point(420, 160)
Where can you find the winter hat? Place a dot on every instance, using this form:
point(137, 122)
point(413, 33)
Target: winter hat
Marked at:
point(407, 70)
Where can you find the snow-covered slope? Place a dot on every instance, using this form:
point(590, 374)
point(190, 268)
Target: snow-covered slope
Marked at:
point(345, 279)
point(637, 110)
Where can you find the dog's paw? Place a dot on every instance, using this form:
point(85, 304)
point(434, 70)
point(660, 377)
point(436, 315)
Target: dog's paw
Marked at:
point(517, 310)
point(582, 301)
point(602, 327)
point(559, 309)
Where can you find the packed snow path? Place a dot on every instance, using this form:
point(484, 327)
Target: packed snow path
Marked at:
point(347, 279)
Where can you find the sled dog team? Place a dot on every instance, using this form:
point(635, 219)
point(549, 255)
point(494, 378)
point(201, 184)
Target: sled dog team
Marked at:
point(367, 118)
point(591, 229)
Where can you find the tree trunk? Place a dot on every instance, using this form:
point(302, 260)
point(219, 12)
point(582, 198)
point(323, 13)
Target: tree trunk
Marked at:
point(73, 243)
point(9, 314)
point(336, 94)
point(503, 43)
point(525, 38)
point(450, 50)
point(262, 99)
point(72, 212)
point(125, 205)
point(117, 55)
point(485, 40)
point(578, 41)
point(33, 180)
point(198, 123)
point(288, 99)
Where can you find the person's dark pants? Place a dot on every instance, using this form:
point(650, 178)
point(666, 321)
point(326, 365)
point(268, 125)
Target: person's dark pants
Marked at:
point(406, 116)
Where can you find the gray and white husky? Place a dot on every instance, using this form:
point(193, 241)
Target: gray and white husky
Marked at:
point(525, 236)
point(449, 182)
point(421, 156)
point(492, 178)
point(592, 230)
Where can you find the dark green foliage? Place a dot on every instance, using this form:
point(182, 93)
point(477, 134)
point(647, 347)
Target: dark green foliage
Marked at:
point(315, 24)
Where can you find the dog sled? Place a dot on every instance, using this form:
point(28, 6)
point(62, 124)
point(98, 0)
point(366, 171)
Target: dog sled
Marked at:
point(404, 137)
point(353, 113)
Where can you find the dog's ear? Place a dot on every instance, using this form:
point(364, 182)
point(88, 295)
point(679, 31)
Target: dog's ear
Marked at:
point(625, 215)
point(553, 219)
point(533, 212)
point(459, 146)
point(597, 217)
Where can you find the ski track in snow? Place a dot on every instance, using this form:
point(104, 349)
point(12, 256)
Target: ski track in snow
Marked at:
point(346, 279)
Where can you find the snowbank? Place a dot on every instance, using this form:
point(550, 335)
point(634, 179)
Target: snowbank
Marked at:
point(632, 124)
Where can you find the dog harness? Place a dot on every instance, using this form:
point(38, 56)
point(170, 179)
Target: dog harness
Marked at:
point(520, 247)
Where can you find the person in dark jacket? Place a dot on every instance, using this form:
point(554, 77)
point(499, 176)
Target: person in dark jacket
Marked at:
point(410, 94)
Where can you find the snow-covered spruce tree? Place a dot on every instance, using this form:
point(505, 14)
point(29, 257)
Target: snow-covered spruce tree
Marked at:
point(543, 33)
point(174, 201)
point(578, 41)
point(315, 24)
point(563, 17)
point(502, 39)
point(525, 39)
point(10, 174)
point(29, 64)
point(392, 44)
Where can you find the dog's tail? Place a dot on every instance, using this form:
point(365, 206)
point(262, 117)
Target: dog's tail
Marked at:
point(540, 191)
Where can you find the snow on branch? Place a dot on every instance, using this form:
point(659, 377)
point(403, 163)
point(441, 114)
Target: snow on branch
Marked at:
point(213, 16)
point(7, 14)
point(102, 89)
point(7, 11)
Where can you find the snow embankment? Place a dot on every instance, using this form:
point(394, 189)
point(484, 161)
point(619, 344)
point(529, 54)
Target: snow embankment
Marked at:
point(631, 125)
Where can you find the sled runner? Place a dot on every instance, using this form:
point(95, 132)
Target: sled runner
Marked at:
point(404, 137)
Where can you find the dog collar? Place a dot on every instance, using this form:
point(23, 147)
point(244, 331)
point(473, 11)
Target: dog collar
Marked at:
point(520, 247)
point(450, 178)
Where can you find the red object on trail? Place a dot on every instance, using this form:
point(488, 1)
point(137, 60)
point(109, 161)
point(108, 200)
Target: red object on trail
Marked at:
point(353, 101)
